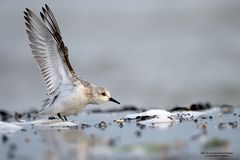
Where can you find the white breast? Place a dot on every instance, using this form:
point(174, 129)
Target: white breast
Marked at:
point(70, 102)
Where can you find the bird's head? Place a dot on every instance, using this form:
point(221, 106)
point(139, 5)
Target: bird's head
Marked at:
point(103, 95)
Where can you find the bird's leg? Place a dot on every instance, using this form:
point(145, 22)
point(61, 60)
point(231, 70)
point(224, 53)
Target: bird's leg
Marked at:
point(59, 115)
point(65, 118)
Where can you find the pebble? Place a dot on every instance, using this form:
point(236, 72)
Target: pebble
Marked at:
point(24, 130)
point(222, 125)
point(102, 125)
point(121, 125)
point(179, 109)
point(233, 124)
point(226, 108)
point(200, 106)
point(203, 117)
point(119, 121)
point(125, 108)
point(17, 116)
point(202, 125)
point(181, 120)
point(5, 115)
point(195, 120)
point(83, 126)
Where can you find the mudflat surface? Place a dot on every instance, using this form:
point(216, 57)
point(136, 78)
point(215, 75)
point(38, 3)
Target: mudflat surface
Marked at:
point(104, 134)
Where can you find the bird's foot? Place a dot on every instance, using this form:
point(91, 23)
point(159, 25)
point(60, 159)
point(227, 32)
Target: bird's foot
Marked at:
point(63, 119)
point(51, 118)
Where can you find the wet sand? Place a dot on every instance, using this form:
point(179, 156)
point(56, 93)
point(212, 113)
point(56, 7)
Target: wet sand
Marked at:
point(105, 134)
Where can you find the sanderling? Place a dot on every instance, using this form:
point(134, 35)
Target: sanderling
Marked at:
point(66, 93)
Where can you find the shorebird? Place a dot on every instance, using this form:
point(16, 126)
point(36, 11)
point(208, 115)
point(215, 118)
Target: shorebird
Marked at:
point(66, 93)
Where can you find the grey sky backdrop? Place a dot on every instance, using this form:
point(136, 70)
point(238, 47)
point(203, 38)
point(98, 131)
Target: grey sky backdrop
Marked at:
point(154, 54)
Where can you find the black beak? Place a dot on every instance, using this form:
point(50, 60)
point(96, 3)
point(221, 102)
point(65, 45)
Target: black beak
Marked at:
point(113, 100)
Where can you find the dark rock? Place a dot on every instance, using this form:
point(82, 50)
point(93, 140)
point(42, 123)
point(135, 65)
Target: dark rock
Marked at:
point(5, 116)
point(17, 116)
point(102, 125)
point(96, 111)
point(120, 125)
point(178, 109)
point(125, 108)
point(180, 120)
point(203, 117)
point(200, 106)
point(233, 124)
point(195, 120)
point(223, 125)
point(28, 115)
point(83, 126)
point(52, 118)
point(24, 130)
point(143, 118)
point(192, 118)
point(128, 119)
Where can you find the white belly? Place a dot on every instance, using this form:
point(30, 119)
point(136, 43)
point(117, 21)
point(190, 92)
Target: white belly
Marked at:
point(69, 103)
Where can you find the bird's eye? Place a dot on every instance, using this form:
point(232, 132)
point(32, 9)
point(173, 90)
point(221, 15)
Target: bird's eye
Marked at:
point(103, 94)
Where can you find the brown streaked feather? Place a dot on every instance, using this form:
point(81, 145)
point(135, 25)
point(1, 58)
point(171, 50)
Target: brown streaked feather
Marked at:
point(47, 52)
point(51, 23)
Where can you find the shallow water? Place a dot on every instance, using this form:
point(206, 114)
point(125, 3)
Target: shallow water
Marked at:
point(181, 140)
point(153, 54)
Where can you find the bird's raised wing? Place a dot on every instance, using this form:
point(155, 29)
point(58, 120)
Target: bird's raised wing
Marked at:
point(48, 49)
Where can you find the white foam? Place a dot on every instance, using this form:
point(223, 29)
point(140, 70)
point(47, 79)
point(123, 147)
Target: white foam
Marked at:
point(39, 121)
point(162, 116)
point(9, 127)
point(62, 124)
point(153, 112)
point(56, 123)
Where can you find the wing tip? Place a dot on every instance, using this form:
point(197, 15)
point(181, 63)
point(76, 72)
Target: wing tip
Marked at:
point(42, 15)
point(28, 11)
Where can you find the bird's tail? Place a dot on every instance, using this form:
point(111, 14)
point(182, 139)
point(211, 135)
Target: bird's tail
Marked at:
point(39, 114)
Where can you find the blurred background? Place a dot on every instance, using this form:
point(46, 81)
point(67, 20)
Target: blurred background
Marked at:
point(153, 54)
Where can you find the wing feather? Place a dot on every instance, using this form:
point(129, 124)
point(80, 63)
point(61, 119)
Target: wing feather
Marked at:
point(46, 48)
point(51, 23)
